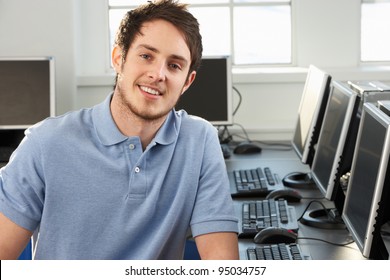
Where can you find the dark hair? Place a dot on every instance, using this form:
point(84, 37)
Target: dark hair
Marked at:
point(169, 10)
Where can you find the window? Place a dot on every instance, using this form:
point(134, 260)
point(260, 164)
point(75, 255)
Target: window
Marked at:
point(375, 26)
point(252, 32)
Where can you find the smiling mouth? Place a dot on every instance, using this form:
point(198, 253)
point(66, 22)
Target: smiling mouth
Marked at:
point(150, 90)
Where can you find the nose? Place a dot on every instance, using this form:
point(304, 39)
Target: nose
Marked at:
point(157, 72)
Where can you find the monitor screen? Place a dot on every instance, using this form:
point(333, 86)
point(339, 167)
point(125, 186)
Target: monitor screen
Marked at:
point(340, 113)
point(366, 197)
point(26, 91)
point(310, 113)
point(210, 95)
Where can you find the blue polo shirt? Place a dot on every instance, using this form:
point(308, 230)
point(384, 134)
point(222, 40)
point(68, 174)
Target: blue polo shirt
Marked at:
point(94, 194)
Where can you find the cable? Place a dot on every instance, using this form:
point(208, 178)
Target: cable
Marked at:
point(312, 197)
point(326, 241)
point(239, 101)
point(229, 137)
point(288, 146)
point(243, 129)
point(221, 135)
point(282, 146)
point(318, 239)
point(245, 132)
point(307, 207)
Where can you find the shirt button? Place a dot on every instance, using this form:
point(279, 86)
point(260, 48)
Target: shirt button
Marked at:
point(131, 146)
point(137, 169)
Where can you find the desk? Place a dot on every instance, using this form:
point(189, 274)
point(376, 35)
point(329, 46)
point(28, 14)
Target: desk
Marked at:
point(282, 163)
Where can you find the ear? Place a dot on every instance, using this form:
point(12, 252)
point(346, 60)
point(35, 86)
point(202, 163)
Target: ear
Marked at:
point(190, 79)
point(116, 57)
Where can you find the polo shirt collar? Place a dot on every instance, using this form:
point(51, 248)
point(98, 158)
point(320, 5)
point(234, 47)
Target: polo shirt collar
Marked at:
point(106, 129)
point(109, 134)
point(169, 131)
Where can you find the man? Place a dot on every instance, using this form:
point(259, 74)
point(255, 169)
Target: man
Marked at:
point(127, 178)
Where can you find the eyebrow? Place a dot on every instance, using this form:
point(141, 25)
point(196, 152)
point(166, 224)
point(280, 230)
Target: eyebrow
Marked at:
point(153, 49)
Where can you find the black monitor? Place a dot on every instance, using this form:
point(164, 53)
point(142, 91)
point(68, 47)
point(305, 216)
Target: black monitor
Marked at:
point(27, 96)
point(26, 91)
point(310, 113)
point(334, 153)
point(210, 95)
point(367, 203)
point(310, 116)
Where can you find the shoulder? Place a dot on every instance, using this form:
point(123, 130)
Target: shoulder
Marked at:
point(198, 133)
point(69, 120)
point(195, 123)
point(57, 129)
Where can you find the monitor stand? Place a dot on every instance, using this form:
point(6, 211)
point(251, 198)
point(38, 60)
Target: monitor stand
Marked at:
point(298, 180)
point(328, 218)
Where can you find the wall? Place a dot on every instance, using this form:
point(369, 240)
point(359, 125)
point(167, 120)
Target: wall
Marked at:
point(42, 28)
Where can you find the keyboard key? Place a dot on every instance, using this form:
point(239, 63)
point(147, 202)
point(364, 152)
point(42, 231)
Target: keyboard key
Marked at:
point(261, 214)
point(279, 251)
point(253, 182)
point(270, 177)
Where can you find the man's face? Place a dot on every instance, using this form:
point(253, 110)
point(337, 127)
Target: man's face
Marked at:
point(155, 72)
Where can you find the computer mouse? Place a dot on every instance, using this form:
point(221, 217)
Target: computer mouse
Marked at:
point(298, 180)
point(275, 235)
point(288, 194)
point(247, 148)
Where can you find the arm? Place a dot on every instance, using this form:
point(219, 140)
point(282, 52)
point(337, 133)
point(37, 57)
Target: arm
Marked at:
point(13, 238)
point(218, 246)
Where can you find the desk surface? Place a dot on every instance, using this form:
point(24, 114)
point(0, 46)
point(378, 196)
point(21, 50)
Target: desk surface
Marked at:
point(282, 163)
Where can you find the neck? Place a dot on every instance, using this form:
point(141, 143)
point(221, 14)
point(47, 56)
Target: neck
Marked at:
point(130, 124)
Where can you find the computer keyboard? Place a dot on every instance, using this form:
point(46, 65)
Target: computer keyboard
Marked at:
point(253, 182)
point(279, 251)
point(257, 215)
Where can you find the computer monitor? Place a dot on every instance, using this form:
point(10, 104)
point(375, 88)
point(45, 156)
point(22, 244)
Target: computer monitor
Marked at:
point(27, 92)
point(210, 95)
point(27, 96)
point(333, 154)
point(310, 113)
point(310, 116)
point(367, 203)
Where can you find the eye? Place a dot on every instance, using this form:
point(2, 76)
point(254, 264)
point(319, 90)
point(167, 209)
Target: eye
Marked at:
point(175, 66)
point(145, 56)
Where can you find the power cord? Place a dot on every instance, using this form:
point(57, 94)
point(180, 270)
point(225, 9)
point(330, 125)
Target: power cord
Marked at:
point(329, 217)
point(227, 139)
point(223, 132)
point(224, 135)
point(326, 241)
point(310, 203)
point(239, 101)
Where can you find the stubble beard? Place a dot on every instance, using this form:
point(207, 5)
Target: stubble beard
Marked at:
point(145, 114)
